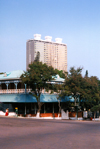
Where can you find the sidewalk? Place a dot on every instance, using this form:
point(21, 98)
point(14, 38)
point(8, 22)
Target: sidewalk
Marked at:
point(13, 114)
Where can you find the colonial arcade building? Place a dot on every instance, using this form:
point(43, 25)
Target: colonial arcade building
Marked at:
point(13, 93)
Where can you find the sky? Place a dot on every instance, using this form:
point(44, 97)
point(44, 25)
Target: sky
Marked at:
point(77, 22)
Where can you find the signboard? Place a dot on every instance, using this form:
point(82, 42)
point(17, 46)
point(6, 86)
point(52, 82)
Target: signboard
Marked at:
point(85, 114)
point(65, 115)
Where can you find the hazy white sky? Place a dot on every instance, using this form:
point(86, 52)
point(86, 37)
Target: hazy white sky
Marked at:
point(77, 22)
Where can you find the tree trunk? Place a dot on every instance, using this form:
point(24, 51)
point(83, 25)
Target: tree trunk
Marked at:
point(59, 109)
point(38, 115)
point(39, 109)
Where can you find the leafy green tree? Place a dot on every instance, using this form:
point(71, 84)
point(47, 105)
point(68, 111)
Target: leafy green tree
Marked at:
point(73, 82)
point(84, 88)
point(37, 58)
point(37, 77)
point(61, 73)
point(92, 89)
point(94, 109)
point(99, 84)
point(86, 74)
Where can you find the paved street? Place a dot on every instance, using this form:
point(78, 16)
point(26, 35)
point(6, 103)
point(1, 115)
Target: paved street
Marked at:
point(27, 133)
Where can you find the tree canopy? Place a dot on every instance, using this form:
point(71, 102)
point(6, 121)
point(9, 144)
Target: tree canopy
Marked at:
point(61, 73)
point(86, 88)
point(37, 77)
point(95, 108)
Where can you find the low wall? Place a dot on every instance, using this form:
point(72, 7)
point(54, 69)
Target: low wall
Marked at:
point(49, 115)
point(73, 114)
point(41, 115)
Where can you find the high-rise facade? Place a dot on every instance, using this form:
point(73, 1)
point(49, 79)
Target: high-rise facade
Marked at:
point(52, 53)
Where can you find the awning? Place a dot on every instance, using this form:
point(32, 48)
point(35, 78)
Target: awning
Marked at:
point(19, 98)
point(28, 98)
point(48, 98)
point(68, 99)
point(53, 98)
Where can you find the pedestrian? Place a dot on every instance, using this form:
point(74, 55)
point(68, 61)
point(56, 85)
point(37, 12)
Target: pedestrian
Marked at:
point(7, 111)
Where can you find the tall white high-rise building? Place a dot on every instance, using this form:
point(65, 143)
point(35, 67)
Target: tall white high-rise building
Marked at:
point(52, 53)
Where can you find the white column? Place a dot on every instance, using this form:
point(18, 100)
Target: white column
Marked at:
point(16, 86)
point(7, 84)
point(16, 83)
point(25, 87)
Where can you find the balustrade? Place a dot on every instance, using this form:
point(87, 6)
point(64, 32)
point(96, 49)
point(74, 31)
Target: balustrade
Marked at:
point(10, 91)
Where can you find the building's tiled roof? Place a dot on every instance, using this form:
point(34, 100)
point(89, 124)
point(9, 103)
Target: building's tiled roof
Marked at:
point(57, 79)
point(17, 73)
point(11, 75)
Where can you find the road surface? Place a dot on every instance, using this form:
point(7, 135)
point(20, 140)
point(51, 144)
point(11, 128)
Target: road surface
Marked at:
point(28, 133)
